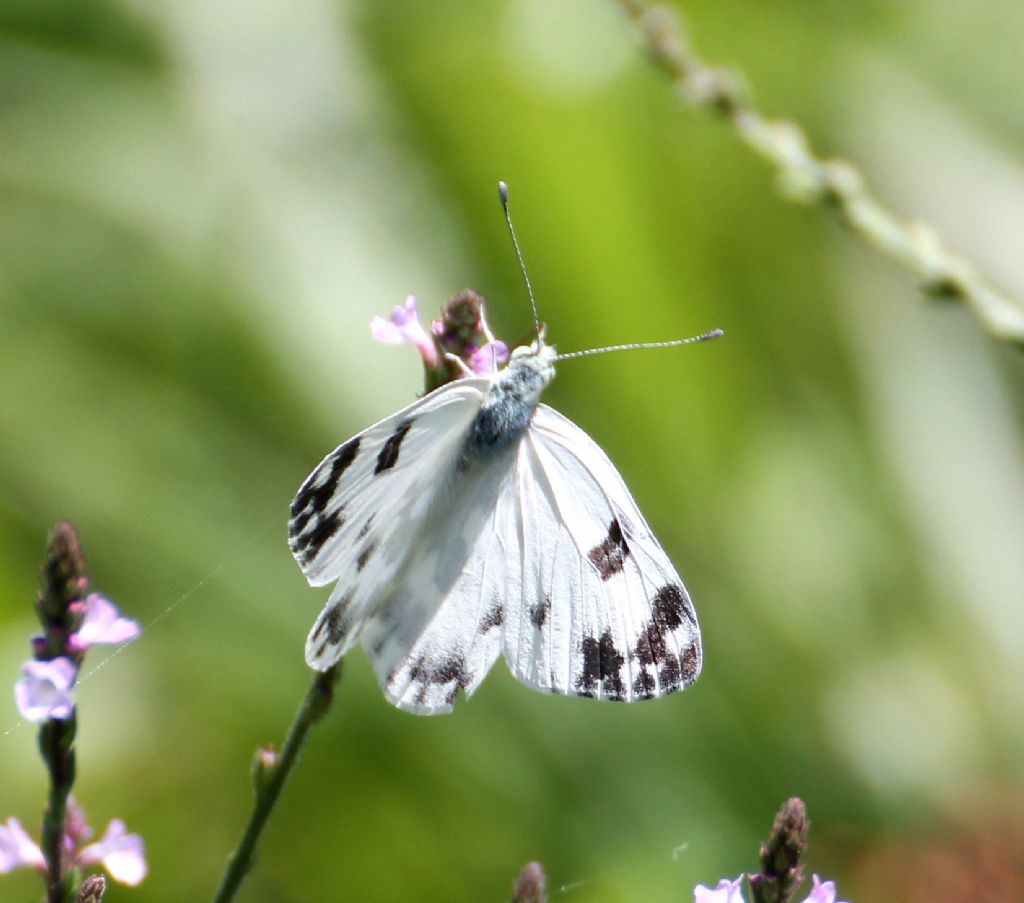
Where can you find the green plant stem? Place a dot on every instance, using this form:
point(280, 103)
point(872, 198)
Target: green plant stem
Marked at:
point(832, 184)
point(270, 782)
point(55, 744)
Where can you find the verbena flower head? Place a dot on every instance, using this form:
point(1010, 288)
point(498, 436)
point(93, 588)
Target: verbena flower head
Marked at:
point(102, 625)
point(822, 891)
point(18, 850)
point(72, 619)
point(403, 327)
point(121, 854)
point(727, 891)
point(45, 690)
point(462, 332)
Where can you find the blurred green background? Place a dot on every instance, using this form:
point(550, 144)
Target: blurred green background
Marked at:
point(202, 205)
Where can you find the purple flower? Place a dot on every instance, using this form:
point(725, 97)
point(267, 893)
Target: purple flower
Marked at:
point(403, 327)
point(44, 690)
point(484, 361)
point(725, 892)
point(730, 892)
point(120, 853)
point(123, 855)
point(102, 625)
point(822, 892)
point(17, 849)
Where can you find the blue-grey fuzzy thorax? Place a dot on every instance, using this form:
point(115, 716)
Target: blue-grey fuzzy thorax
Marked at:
point(511, 400)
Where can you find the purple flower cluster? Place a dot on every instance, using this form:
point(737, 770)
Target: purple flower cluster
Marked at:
point(121, 854)
point(461, 333)
point(727, 891)
point(45, 689)
point(73, 620)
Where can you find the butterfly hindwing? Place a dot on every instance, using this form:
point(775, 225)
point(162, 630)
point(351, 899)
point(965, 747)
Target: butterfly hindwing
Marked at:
point(355, 518)
point(604, 613)
point(441, 629)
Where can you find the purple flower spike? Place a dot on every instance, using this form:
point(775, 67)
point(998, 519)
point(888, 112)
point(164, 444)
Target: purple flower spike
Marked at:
point(123, 855)
point(102, 625)
point(403, 327)
point(725, 892)
point(17, 849)
point(44, 690)
point(484, 361)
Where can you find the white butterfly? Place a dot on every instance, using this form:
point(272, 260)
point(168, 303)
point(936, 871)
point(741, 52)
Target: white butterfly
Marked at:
point(477, 522)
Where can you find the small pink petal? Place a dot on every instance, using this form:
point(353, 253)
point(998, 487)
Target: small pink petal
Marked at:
point(17, 849)
point(726, 891)
point(822, 892)
point(44, 690)
point(122, 855)
point(484, 361)
point(103, 625)
point(402, 327)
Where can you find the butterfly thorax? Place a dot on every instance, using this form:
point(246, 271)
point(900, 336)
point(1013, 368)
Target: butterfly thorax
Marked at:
point(511, 399)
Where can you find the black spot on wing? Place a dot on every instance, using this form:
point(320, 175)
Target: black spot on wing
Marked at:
point(539, 612)
point(364, 555)
point(651, 648)
point(602, 668)
point(689, 663)
point(609, 556)
point(334, 622)
point(586, 683)
point(365, 529)
point(670, 675)
point(494, 617)
point(315, 497)
point(668, 609)
point(298, 523)
point(321, 624)
point(644, 684)
point(671, 605)
point(310, 542)
point(388, 456)
point(451, 669)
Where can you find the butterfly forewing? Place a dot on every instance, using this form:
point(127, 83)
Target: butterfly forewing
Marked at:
point(356, 517)
point(605, 614)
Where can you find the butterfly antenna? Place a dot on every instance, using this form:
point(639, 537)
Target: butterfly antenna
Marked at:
point(714, 334)
point(503, 193)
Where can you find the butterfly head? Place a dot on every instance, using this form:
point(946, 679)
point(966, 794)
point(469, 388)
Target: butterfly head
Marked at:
point(537, 358)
